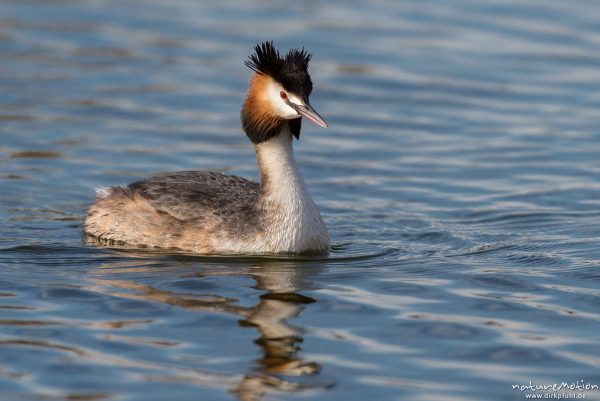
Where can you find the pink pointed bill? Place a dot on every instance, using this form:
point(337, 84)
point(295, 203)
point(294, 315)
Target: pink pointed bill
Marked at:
point(310, 114)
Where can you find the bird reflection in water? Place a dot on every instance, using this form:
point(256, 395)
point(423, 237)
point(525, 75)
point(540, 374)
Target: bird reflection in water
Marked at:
point(279, 341)
point(281, 363)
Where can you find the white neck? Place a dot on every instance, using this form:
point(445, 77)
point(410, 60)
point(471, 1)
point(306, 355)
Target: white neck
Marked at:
point(277, 165)
point(293, 220)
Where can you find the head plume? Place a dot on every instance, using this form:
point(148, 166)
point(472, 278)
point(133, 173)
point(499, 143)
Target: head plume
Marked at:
point(291, 70)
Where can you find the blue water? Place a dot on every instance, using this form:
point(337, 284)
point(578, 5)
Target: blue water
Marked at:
point(459, 179)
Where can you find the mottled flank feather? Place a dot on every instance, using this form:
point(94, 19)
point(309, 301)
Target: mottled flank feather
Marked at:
point(103, 192)
point(177, 210)
point(192, 194)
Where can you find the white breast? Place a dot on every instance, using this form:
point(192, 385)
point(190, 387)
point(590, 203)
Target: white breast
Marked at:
point(296, 225)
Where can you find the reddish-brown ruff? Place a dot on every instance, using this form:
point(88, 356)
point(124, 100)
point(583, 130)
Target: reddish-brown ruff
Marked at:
point(259, 120)
point(257, 103)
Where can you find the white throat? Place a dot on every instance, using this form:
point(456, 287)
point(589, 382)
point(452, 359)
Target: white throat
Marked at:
point(294, 222)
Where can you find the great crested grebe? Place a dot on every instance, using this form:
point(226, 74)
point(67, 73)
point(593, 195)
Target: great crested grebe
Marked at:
point(212, 213)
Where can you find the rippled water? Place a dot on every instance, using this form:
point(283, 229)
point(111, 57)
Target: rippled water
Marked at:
point(459, 179)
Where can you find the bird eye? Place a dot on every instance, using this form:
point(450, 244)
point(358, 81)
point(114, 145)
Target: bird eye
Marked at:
point(283, 95)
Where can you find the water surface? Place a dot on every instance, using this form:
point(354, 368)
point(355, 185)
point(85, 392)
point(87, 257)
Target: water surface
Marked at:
point(459, 180)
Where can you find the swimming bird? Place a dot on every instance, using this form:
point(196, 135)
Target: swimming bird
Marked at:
point(208, 212)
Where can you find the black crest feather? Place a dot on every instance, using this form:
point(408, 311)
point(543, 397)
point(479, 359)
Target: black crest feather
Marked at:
point(291, 70)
